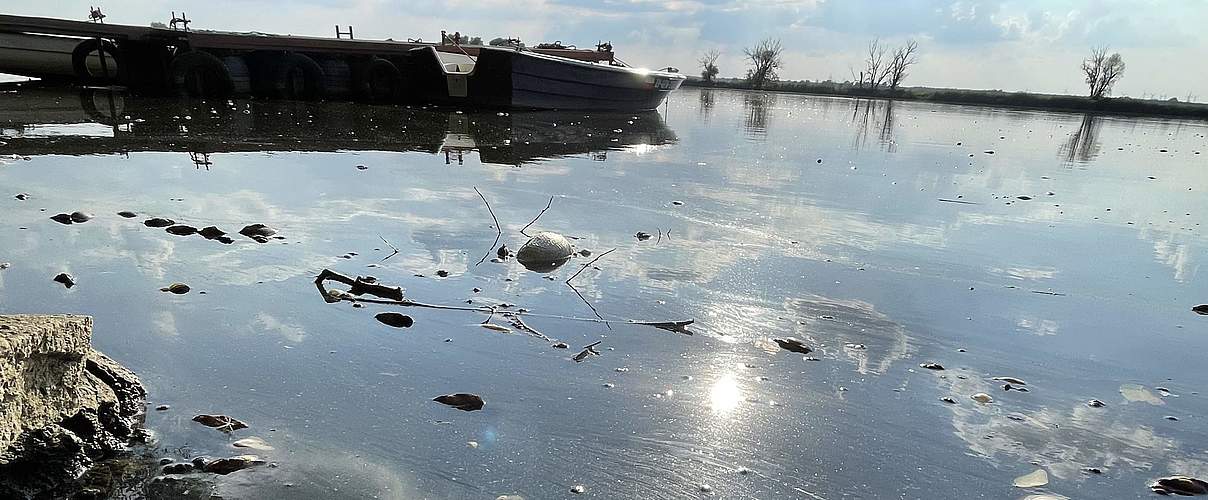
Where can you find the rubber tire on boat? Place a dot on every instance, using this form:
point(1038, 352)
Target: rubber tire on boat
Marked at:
point(109, 112)
point(285, 82)
point(79, 61)
point(380, 81)
point(200, 74)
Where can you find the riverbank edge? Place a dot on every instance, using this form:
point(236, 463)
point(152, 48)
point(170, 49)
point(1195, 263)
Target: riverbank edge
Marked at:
point(1122, 106)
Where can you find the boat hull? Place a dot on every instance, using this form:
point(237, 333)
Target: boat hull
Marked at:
point(514, 79)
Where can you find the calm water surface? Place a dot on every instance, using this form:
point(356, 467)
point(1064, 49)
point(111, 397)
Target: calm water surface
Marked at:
point(772, 216)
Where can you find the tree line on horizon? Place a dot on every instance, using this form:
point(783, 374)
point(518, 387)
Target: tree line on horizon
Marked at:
point(883, 70)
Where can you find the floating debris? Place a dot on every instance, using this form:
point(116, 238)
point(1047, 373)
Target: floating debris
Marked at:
point(61, 218)
point(498, 328)
point(1010, 380)
point(983, 398)
point(158, 222)
point(1032, 480)
point(793, 344)
point(1201, 309)
point(461, 401)
point(642, 236)
point(1179, 485)
point(176, 288)
point(932, 366)
point(1138, 394)
point(220, 422)
point(224, 466)
point(66, 279)
point(253, 443)
point(397, 320)
point(127, 214)
point(1095, 403)
point(80, 217)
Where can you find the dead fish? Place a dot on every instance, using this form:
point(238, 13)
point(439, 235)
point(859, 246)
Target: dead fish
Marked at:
point(394, 319)
point(932, 366)
point(66, 279)
point(220, 422)
point(1179, 485)
point(176, 288)
point(254, 230)
point(127, 214)
point(1010, 380)
point(181, 230)
point(793, 344)
point(158, 222)
point(80, 217)
point(461, 401)
point(61, 218)
point(224, 466)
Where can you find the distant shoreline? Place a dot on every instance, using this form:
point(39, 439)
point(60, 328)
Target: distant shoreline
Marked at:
point(994, 98)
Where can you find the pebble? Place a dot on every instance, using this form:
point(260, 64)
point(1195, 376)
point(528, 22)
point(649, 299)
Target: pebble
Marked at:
point(163, 408)
point(178, 468)
point(225, 466)
point(181, 230)
point(394, 319)
point(61, 218)
point(983, 398)
point(442, 273)
point(578, 489)
point(932, 366)
point(158, 222)
point(66, 279)
point(127, 214)
point(176, 288)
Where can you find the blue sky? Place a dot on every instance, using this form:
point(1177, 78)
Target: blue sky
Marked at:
point(1031, 45)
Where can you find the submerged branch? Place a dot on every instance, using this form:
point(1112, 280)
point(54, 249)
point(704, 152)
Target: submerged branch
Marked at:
point(534, 221)
point(585, 266)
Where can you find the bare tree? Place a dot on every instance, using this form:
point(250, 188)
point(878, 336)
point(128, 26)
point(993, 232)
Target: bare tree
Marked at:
point(899, 65)
point(708, 65)
point(876, 68)
point(764, 60)
point(1102, 71)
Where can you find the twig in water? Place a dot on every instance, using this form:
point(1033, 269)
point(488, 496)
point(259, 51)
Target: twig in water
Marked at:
point(587, 350)
point(358, 286)
point(660, 240)
point(589, 306)
point(392, 247)
point(585, 266)
point(515, 320)
point(498, 231)
point(526, 226)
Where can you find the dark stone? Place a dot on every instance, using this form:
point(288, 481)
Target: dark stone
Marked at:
point(61, 218)
point(66, 279)
point(394, 319)
point(1201, 309)
point(127, 214)
point(211, 232)
point(181, 230)
point(80, 217)
point(158, 222)
point(461, 401)
point(257, 230)
point(793, 344)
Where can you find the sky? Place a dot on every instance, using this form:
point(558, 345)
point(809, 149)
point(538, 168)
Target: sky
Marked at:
point(1028, 45)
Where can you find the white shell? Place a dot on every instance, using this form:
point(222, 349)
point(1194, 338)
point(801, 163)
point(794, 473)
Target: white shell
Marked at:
point(545, 247)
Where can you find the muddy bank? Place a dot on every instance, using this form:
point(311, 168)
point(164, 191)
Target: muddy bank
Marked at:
point(65, 408)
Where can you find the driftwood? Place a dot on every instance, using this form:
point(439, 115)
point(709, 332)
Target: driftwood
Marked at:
point(365, 287)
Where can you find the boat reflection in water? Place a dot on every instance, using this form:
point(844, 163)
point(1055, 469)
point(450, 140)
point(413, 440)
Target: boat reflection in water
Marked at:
point(44, 121)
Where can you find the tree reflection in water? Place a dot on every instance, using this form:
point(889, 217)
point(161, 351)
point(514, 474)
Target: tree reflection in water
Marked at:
point(1083, 144)
point(756, 107)
point(869, 113)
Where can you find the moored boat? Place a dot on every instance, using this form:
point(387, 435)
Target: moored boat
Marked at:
point(520, 79)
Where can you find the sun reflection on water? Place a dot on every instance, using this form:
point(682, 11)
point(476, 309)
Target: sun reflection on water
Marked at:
point(725, 394)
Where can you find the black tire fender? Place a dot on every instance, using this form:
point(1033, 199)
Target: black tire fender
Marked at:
point(79, 60)
point(380, 81)
point(200, 74)
point(314, 86)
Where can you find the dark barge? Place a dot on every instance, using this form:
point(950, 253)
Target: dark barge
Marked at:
point(156, 60)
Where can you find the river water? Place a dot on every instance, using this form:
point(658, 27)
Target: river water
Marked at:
point(1061, 249)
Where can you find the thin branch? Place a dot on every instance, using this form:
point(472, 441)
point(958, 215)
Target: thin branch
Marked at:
point(392, 247)
point(526, 226)
point(585, 266)
point(589, 306)
point(498, 231)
